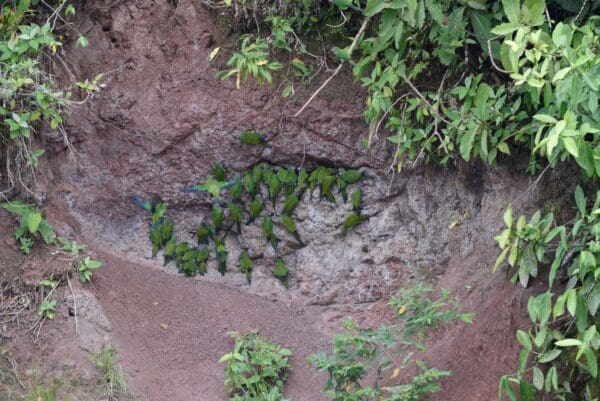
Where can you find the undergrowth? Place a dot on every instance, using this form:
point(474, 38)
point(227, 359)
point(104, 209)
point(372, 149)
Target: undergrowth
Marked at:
point(39, 383)
point(256, 369)
point(380, 364)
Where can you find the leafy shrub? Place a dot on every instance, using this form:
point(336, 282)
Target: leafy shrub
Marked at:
point(32, 225)
point(361, 354)
point(31, 98)
point(256, 369)
point(560, 351)
point(251, 60)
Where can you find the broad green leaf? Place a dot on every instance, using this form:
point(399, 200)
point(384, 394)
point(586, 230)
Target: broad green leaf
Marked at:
point(466, 144)
point(508, 217)
point(512, 9)
point(592, 363)
point(571, 146)
point(538, 378)
point(526, 390)
point(569, 342)
point(560, 74)
point(572, 302)
point(33, 222)
point(545, 118)
point(594, 300)
point(500, 259)
point(580, 200)
point(375, 6)
point(505, 387)
point(524, 340)
point(549, 356)
point(505, 28)
point(533, 12)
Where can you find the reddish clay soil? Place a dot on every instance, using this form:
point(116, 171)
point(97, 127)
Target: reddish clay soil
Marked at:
point(181, 362)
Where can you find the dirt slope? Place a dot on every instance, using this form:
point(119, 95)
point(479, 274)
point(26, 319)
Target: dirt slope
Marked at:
point(180, 362)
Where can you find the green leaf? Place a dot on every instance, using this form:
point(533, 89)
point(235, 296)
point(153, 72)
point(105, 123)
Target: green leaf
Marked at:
point(549, 356)
point(505, 28)
point(374, 7)
point(572, 302)
point(580, 200)
point(538, 378)
point(82, 41)
point(568, 342)
point(500, 259)
point(505, 387)
point(594, 300)
point(435, 11)
point(466, 144)
point(524, 340)
point(592, 363)
point(527, 392)
point(560, 74)
point(33, 222)
point(545, 118)
point(508, 217)
point(512, 9)
point(571, 146)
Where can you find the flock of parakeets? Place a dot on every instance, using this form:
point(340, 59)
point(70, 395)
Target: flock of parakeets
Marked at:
point(244, 199)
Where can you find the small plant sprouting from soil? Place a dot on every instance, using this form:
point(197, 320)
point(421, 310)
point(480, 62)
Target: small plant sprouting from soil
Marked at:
point(43, 383)
point(374, 364)
point(113, 381)
point(256, 369)
point(264, 194)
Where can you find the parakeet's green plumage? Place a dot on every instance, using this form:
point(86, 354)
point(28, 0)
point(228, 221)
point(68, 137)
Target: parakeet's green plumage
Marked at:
point(156, 239)
point(219, 172)
point(249, 183)
point(352, 221)
point(267, 173)
point(221, 255)
point(253, 138)
point(188, 263)
point(211, 186)
point(267, 226)
point(246, 265)
point(342, 186)
point(203, 233)
point(289, 225)
point(290, 203)
point(169, 251)
point(236, 214)
point(217, 217)
point(281, 271)
point(257, 174)
point(281, 174)
point(327, 188)
point(235, 190)
point(350, 176)
point(302, 181)
point(255, 208)
point(313, 178)
point(202, 258)
point(180, 250)
point(356, 201)
point(274, 188)
point(166, 231)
